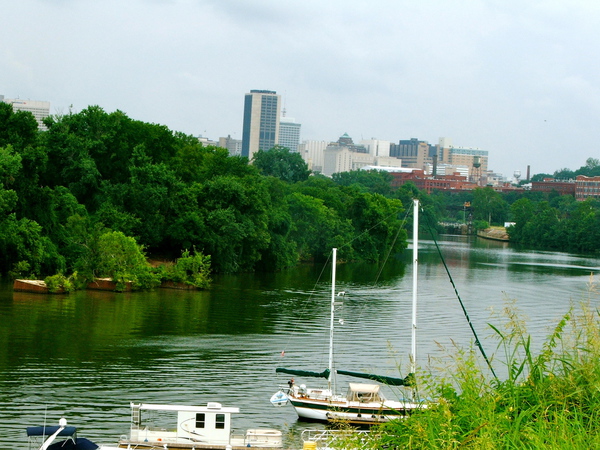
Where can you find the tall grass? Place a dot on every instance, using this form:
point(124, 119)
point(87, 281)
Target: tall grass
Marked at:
point(547, 399)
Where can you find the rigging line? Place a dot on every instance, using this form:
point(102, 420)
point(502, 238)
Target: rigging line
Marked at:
point(306, 304)
point(400, 228)
point(477, 341)
point(384, 262)
point(395, 212)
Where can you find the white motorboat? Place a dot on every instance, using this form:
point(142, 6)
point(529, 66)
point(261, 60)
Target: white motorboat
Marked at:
point(192, 427)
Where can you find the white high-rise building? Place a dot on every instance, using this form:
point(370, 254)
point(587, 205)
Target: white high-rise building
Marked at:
point(312, 154)
point(375, 147)
point(39, 109)
point(289, 133)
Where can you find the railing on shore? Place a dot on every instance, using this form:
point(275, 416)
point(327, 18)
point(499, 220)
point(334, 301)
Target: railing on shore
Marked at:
point(331, 439)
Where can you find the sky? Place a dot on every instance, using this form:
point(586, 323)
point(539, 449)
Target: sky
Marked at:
point(518, 78)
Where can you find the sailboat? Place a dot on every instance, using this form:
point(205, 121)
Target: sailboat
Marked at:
point(363, 403)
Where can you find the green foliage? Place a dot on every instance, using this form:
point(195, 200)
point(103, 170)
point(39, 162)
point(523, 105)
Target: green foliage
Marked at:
point(489, 205)
point(59, 284)
point(281, 163)
point(122, 259)
point(480, 225)
point(547, 399)
point(192, 269)
point(373, 181)
point(20, 129)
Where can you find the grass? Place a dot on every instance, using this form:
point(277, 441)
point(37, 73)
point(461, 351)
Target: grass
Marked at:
point(549, 399)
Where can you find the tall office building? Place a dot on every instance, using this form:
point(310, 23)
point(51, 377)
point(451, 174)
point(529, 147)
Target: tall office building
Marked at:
point(261, 122)
point(289, 133)
point(39, 109)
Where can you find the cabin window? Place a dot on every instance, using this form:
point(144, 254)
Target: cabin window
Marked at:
point(200, 420)
point(220, 422)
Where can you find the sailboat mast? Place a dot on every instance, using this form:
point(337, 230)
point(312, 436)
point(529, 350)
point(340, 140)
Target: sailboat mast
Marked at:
point(413, 356)
point(333, 266)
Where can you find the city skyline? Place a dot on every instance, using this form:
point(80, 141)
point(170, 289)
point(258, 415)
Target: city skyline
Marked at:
point(517, 79)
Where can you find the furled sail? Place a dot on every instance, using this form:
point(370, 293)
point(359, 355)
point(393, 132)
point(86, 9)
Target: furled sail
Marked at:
point(304, 373)
point(391, 381)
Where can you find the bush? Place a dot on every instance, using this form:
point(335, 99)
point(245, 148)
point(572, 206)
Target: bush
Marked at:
point(59, 283)
point(190, 269)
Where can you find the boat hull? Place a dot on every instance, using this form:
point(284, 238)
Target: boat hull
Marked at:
point(357, 412)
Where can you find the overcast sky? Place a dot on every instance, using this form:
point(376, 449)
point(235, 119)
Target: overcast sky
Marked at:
point(518, 78)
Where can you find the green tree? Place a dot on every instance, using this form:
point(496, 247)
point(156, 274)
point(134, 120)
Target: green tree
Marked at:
point(280, 162)
point(489, 205)
point(123, 260)
point(373, 181)
point(377, 226)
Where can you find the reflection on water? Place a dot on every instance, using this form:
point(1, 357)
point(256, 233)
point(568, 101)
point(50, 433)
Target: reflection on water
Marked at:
point(88, 354)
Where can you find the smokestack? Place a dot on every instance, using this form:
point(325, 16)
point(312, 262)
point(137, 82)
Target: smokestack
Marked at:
point(528, 170)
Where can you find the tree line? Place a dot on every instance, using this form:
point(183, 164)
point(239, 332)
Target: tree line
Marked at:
point(74, 198)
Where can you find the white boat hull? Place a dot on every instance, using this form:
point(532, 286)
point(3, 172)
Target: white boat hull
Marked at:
point(356, 412)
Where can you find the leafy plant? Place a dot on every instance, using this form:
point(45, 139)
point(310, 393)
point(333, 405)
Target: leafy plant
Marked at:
point(546, 399)
point(192, 269)
point(59, 283)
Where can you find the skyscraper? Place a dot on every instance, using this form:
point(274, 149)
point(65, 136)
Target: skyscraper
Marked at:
point(289, 133)
point(261, 122)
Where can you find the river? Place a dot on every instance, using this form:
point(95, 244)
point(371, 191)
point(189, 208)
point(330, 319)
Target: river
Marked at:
point(88, 354)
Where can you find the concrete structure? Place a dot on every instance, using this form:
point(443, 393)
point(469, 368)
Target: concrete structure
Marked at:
point(233, 146)
point(345, 156)
point(261, 122)
point(413, 152)
point(312, 153)
point(207, 142)
point(376, 147)
point(447, 169)
point(587, 187)
point(289, 133)
point(473, 158)
point(39, 109)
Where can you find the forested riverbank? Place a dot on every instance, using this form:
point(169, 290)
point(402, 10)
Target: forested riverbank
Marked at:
point(98, 193)
point(98, 184)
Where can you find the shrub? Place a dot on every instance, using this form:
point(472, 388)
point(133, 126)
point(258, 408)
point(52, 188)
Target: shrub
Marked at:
point(59, 283)
point(192, 269)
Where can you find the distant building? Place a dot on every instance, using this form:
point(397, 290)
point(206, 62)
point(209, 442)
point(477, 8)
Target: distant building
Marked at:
point(233, 146)
point(345, 156)
point(413, 152)
point(429, 183)
point(261, 122)
point(473, 158)
point(376, 147)
point(563, 187)
point(289, 133)
point(312, 153)
point(39, 109)
point(207, 142)
point(587, 187)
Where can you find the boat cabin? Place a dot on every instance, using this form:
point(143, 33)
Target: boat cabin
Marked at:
point(364, 393)
point(194, 424)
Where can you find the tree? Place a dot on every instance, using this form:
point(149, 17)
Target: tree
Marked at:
point(281, 163)
point(123, 260)
point(488, 205)
point(374, 181)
